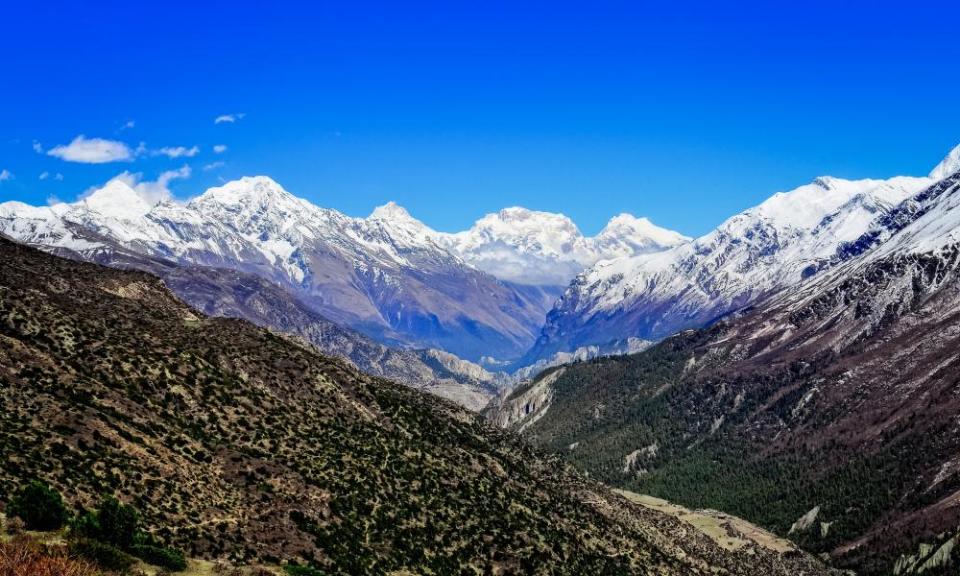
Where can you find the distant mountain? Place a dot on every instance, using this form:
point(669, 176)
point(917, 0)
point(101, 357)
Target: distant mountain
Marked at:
point(234, 294)
point(826, 411)
point(384, 275)
point(546, 249)
point(228, 293)
point(388, 276)
point(752, 255)
point(235, 442)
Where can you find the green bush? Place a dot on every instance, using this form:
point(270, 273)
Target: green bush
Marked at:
point(116, 524)
point(40, 507)
point(168, 558)
point(85, 525)
point(104, 555)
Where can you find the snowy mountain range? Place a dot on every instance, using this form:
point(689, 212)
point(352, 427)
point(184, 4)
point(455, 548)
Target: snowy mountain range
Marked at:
point(475, 294)
point(546, 249)
point(772, 246)
point(483, 294)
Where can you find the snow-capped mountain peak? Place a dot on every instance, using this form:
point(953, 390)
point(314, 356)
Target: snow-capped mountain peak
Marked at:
point(528, 230)
point(391, 212)
point(254, 205)
point(246, 191)
point(117, 199)
point(948, 166)
point(625, 234)
point(547, 249)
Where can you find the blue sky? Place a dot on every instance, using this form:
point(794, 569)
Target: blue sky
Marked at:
point(685, 112)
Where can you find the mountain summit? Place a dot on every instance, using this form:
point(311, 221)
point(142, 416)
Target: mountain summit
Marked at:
point(547, 249)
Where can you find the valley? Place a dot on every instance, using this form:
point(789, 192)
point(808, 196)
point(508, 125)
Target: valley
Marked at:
point(237, 443)
point(791, 368)
point(825, 412)
point(479, 289)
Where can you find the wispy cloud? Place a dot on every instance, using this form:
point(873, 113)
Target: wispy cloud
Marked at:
point(58, 177)
point(220, 148)
point(92, 151)
point(230, 118)
point(5, 175)
point(128, 125)
point(37, 147)
point(44, 175)
point(213, 165)
point(177, 152)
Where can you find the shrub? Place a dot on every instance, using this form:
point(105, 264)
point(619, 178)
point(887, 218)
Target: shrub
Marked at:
point(85, 525)
point(104, 555)
point(113, 523)
point(168, 558)
point(116, 523)
point(40, 507)
point(23, 556)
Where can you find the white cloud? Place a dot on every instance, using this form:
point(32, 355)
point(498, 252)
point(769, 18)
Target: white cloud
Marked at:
point(92, 151)
point(5, 175)
point(58, 177)
point(231, 118)
point(213, 165)
point(220, 148)
point(157, 190)
point(129, 124)
point(44, 175)
point(53, 200)
point(37, 147)
point(177, 152)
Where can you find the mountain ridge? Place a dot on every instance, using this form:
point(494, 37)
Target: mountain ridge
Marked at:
point(388, 275)
point(752, 255)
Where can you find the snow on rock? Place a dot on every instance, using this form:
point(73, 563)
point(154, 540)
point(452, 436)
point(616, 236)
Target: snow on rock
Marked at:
point(778, 243)
point(387, 275)
point(949, 166)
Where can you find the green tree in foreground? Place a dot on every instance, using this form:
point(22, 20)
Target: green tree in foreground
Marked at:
point(112, 533)
point(39, 506)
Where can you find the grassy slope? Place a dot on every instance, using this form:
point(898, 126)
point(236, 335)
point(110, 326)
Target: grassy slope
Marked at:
point(235, 442)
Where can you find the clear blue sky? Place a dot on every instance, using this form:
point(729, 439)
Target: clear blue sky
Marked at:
point(685, 112)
